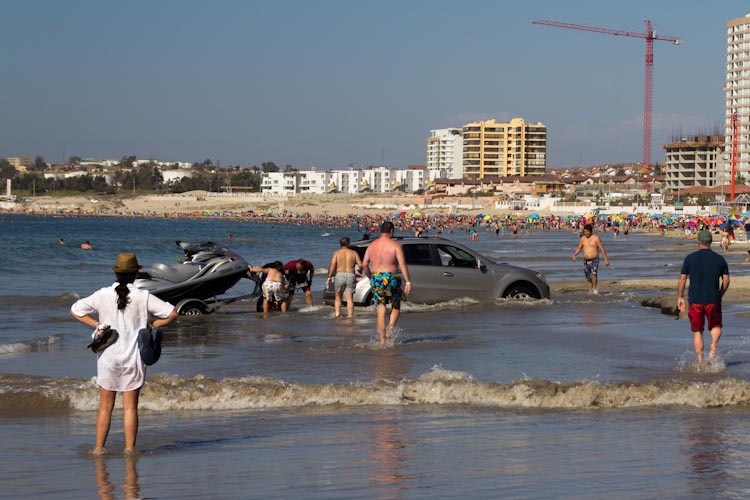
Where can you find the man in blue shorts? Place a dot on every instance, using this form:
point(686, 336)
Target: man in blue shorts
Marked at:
point(704, 268)
point(590, 244)
point(383, 260)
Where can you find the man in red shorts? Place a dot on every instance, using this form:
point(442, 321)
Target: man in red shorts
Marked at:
point(705, 268)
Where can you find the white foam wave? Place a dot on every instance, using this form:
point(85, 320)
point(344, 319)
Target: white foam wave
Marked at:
point(459, 303)
point(43, 344)
point(524, 303)
point(437, 387)
point(14, 348)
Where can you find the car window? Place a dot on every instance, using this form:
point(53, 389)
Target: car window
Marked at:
point(451, 256)
point(418, 254)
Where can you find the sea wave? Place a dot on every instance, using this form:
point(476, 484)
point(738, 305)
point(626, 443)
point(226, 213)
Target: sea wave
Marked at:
point(38, 345)
point(20, 394)
point(33, 301)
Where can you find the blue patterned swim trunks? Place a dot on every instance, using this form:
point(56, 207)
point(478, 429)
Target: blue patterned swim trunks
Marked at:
point(386, 289)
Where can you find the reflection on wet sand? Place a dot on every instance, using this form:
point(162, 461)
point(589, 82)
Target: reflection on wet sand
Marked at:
point(707, 456)
point(389, 443)
point(387, 438)
point(105, 487)
point(389, 364)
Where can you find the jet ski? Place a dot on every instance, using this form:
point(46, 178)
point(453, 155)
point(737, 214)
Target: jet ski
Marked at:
point(206, 271)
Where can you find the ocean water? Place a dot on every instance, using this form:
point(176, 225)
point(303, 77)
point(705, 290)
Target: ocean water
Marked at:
point(577, 397)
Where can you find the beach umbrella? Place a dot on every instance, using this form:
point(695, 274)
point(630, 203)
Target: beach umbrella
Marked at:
point(534, 216)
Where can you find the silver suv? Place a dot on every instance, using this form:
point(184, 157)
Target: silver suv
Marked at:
point(442, 270)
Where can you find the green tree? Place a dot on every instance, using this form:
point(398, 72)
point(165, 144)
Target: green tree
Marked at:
point(74, 160)
point(39, 165)
point(127, 162)
point(246, 178)
point(7, 171)
point(269, 166)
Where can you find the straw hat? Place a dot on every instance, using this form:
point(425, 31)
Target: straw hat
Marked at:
point(126, 263)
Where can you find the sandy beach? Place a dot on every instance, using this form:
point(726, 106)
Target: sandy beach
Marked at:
point(315, 205)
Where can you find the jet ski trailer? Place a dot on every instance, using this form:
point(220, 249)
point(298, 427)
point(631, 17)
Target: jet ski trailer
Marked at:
point(193, 286)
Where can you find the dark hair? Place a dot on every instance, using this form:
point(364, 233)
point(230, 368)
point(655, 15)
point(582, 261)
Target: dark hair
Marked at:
point(588, 227)
point(386, 227)
point(123, 279)
point(344, 242)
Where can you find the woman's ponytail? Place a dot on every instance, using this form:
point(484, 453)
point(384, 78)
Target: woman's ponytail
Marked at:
point(122, 289)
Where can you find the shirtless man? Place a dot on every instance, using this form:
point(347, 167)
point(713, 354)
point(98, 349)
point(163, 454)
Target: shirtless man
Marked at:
point(342, 266)
point(591, 246)
point(382, 261)
point(274, 286)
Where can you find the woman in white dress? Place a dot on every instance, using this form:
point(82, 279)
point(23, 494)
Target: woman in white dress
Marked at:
point(119, 367)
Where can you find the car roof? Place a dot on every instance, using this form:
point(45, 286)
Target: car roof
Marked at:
point(406, 239)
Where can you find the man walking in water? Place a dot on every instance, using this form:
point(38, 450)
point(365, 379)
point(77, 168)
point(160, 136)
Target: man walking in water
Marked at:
point(704, 267)
point(341, 271)
point(591, 245)
point(383, 258)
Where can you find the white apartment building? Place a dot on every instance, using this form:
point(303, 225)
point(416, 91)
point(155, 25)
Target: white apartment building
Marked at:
point(374, 180)
point(445, 152)
point(313, 182)
point(409, 181)
point(344, 181)
point(176, 175)
point(737, 90)
point(280, 183)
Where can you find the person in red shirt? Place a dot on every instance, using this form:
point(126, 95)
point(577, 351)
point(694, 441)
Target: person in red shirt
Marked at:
point(299, 273)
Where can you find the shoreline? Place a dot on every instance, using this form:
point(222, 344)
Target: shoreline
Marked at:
point(311, 208)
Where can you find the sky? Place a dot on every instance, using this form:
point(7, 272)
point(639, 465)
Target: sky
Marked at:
point(328, 83)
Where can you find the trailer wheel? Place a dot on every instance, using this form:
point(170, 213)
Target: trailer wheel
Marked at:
point(192, 307)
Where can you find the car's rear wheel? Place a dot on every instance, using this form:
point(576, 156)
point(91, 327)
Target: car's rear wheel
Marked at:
point(521, 291)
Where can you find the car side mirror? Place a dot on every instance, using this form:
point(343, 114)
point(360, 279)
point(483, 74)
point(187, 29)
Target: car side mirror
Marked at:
point(482, 266)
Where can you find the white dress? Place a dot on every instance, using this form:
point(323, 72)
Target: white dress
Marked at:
point(119, 367)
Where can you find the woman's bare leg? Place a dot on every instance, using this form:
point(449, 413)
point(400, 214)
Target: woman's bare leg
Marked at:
point(104, 418)
point(130, 407)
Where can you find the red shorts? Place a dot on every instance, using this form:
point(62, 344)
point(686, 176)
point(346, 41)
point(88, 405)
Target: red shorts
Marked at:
point(696, 313)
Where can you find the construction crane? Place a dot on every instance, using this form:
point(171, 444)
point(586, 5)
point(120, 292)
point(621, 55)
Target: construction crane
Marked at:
point(650, 35)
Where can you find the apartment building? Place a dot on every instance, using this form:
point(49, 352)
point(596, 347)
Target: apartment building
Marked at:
point(280, 183)
point(504, 149)
point(372, 180)
point(445, 152)
point(694, 161)
point(737, 90)
point(19, 161)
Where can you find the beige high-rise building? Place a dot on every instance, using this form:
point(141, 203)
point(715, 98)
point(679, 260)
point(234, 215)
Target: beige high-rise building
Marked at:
point(737, 90)
point(494, 149)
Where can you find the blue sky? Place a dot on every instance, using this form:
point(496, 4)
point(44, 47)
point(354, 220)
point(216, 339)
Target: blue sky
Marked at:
point(328, 83)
